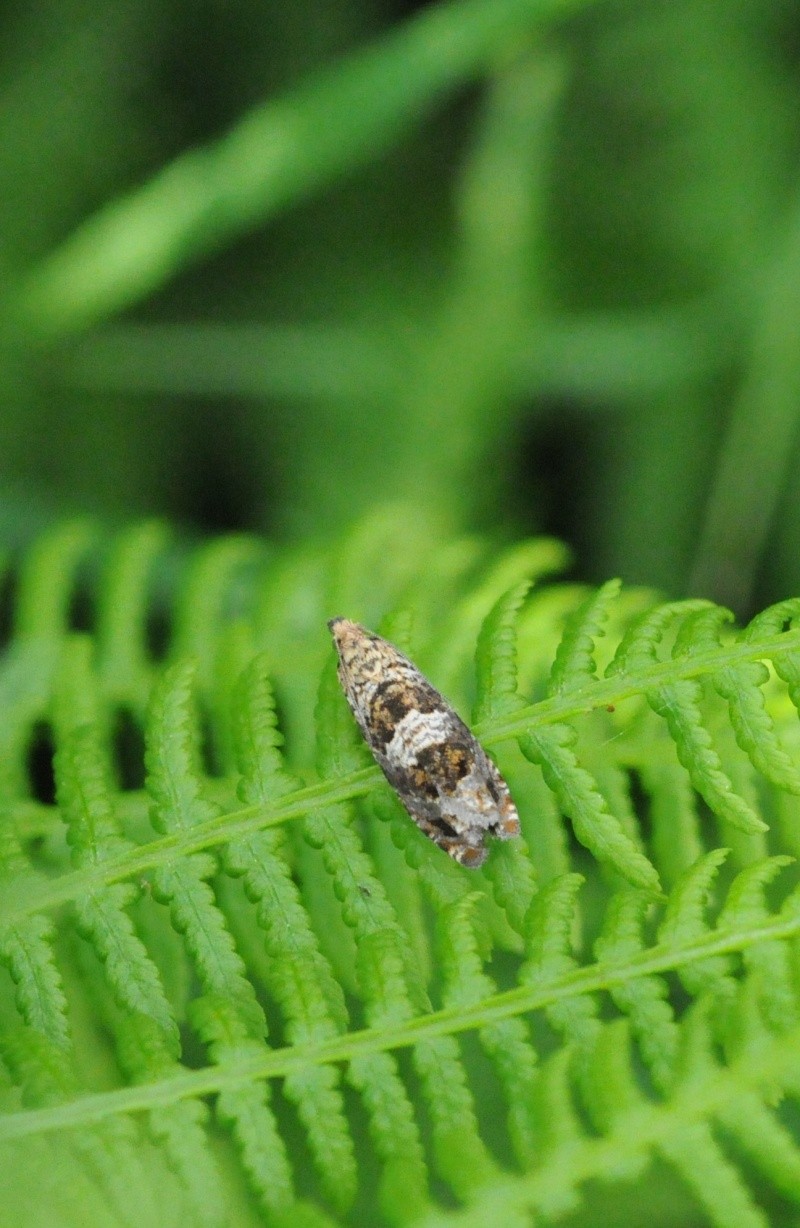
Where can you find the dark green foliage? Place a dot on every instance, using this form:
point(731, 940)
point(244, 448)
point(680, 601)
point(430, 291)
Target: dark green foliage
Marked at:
point(421, 250)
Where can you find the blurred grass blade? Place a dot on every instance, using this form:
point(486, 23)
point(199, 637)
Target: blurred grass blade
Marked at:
point(279, 153)
point(756, 455)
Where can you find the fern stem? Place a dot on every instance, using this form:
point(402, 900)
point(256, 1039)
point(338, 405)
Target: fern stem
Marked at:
point(278, 1063)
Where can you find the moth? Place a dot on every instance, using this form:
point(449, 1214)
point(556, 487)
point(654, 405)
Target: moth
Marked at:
point(438, 769)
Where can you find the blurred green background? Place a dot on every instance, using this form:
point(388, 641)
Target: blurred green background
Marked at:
point(530, 266)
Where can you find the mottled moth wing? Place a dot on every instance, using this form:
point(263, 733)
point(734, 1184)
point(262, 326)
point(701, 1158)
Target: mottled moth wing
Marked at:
point(440, 772)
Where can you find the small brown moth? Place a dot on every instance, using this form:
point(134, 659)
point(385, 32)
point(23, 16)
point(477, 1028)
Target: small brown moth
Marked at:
point(440, 772)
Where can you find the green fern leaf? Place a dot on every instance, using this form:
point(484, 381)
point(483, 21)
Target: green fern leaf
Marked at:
point(684, 914)
point(101, 919)
point(214, 592)
point(107, 1155)
point(745, 907)
point(27, 951)
point(196, 916)
point(381, 967)
point(767, 1144)
point(245, 1107)
point(741, 685)
point(404, 887)
point(258, 739)
point(684, 921)
point(122, 652)
point(321, 907)
point(645, 999)
point(551, 921)
point(173, 754)
point(46, 581)
point(575, 666)
point(510, 869)
point(462, 1159)
point(716, 1183)
point(769, 624)
point(507, 1042)
point(773, 621)
point(403, 1185)
point(175, 785)
point(496, 656)
point(611, 1092)
point(752, 724)
point(679, 704)
point(673, 815)
point(299, 976)
point(179, 1127)
point(560, 1132)
point(387, 982)
point(638, 648)
point(454, 641)
point(552, 748)
point(84, 795)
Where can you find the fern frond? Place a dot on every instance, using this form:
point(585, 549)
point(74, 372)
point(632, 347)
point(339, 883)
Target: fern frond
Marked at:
point(26, 950)
point(680, 705)
point(390, 988)
point(741, 685)
point(638, 647)
point(632, 1129)
point(579, 798)
point(694, 1151)
point(461, 1156)
point(684, 920)
point(195, 915)
point(245, 1107)
point(507, 1042)
point(123, 658)
point(674, 819)
point(228, 1016)
point(380, 963)
point(403, 1185)
point(455, 638)
point(404, 886)
point(496, 656)
point(299, 976)
point(174, 772)
point(770, 963)
point(551, 922)
point(510, 869)
point(764, 1141)
point(771, 623)
point(83, 788)
point(82, 768)
point(610, 1089)
point(216, 590)
point(575, 666)
point(145, 1055)
point(551, 941)
point(644, 1000)
point(107, 1155)
point(46, 581)
point(671, 1023)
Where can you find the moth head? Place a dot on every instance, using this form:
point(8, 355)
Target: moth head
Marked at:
point(347, 634)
